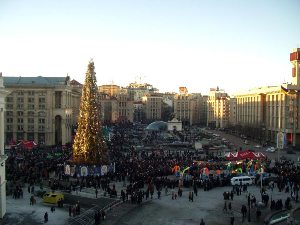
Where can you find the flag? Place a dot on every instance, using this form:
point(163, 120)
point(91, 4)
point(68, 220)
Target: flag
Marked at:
point(284, 90)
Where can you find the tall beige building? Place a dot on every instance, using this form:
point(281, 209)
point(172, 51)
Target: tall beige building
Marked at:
point(203, 110)
point(153, 106)
point(274, 109)
point(109, 107)
point(3, 157)
point(109, 89)
point(41, 109)
point(125, 107)
point(217, 108)
point(138, 90)
point(232, 112)
point(187, 107)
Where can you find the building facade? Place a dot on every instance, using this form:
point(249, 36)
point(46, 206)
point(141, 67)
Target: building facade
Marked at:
point(110, 89)
point(188, 107)
point(125, 107)
point(273, 110)
point(217, 108)
point(41, 109)
point(153, 106)
point(3, 157)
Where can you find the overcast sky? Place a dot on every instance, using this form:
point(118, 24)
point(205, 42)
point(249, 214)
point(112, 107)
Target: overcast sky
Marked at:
point(233, 44)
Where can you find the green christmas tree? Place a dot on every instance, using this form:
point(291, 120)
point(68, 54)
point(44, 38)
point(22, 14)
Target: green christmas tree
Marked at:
point(89, 146)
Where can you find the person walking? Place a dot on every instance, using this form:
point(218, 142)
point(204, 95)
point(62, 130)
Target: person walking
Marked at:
point(96, 192)
point(202, 222)
point(225, 207)
point(244, 212)
point(232, 219)
point(46, 217)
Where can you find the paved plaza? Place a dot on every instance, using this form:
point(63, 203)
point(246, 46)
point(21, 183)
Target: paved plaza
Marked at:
point(207, 205)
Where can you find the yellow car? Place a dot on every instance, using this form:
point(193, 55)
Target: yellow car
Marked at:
point(52, 198)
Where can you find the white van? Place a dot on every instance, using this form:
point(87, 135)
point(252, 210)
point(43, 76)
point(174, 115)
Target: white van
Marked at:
point(241, 180)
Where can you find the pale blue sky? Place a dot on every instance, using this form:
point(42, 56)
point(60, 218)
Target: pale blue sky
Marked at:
point(168, 43)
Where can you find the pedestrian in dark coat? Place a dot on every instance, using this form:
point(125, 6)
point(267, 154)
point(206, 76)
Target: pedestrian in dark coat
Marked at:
point(46, 217)
point(202, 222)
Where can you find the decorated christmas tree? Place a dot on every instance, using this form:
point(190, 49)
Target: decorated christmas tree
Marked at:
point(89, 146)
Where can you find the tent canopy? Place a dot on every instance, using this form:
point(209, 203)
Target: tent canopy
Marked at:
point(241, 155)
point(27, 144)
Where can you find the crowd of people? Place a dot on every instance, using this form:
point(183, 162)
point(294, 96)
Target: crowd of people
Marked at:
point(143, 174)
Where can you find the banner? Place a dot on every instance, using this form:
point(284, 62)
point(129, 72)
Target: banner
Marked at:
point(67, 170)
point(83, 171)
point(103, 170)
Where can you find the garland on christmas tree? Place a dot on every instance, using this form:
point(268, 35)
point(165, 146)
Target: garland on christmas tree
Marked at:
point(89, 146)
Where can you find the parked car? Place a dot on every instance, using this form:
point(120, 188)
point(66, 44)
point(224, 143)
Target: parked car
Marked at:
point(290, 151)
point(52, 198)
point(270, 149)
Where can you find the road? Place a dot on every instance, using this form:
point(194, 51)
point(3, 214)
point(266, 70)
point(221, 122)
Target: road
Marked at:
point(239, 142)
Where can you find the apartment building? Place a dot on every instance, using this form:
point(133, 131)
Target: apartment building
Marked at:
point(41, 109)
point(217, 108)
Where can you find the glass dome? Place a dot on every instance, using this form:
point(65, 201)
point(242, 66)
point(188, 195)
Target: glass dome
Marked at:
point(157, 126)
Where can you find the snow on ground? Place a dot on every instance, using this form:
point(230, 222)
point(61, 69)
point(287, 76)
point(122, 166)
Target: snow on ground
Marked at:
point(19, 211)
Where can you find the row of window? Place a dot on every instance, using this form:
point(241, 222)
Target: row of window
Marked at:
point(10, 99)
point(30, 113)
point(29, 106)
point(21, 93)
point(30, 128)
point(21, 120)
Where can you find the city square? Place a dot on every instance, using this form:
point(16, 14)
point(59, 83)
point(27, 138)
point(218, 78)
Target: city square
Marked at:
point(149, 112)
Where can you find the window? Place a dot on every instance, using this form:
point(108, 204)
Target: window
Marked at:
point(31, 106)
point(30, 127)
point(41, 128)
point(9, 99)
point(20, 120)
point(42, 106)
point(20, 128)
point(41, 120)
point(31, 100)
point(20, 113)
point(42, 114)
point(31, 93)
point(20, 106)
point(9, 127)
point(9, 113)
point(9, 120)
point(42, 100)
point(9, 106)
point(30, 120)
point(43, 93)
point(20, 100)
point(20, 93)
point(30, 113)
